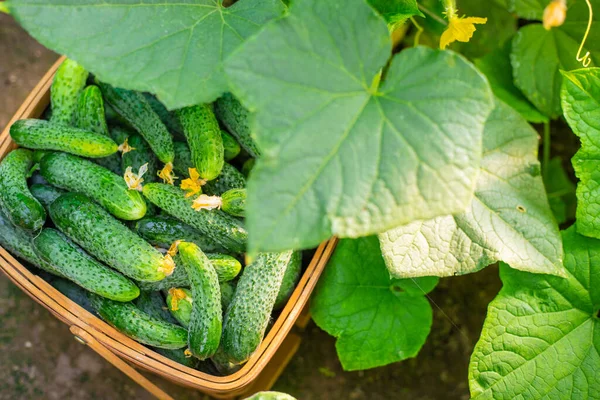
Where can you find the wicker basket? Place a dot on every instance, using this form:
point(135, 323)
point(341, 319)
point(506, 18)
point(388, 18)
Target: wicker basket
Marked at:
point(259, 373)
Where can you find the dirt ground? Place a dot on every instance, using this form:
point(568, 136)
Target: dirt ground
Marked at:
point(39, 358)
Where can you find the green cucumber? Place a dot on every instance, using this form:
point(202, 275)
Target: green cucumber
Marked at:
point(179, 303)
point(231, 148)
point(248, 314)
point(203, 135)
point(45, 194)
point(42, 135)
point(140, 154)
point(227, 292)
point(248, 166)
point(69, 81)
point(134, 108)
point(166, 116)
point(138, 325)
point(204, 333)
point(163, 231)
point(230, 178)
point(235, 118)
point(15, 198)
point(19, 243)
point(183, 159)
point(39, 154)
point(226, 266)
point(215, 224)
point(153, 304)
point(74, 292)
point(119, 134)
point(77, 266)
point(76, 174)
point(178, 355)
point(290, 280)
point(234, 202)
point(178, 278)
point(107, 239)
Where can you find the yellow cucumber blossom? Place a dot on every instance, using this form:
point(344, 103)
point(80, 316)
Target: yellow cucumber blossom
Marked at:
point(176, 295)
point(167, 265)
point(134, 181)
point(192, 185)
point(174, 248)
point(125, 147)
point(555, 14)
point(187, 353)
point(204, 202)
point(459, 28)
point(166, 174)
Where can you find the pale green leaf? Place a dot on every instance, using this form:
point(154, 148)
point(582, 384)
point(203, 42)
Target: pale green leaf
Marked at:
point(342, 156)
point(377, 320)
point(508, 220)
point(172, 49)
point(497, 68)
point(541, 337)
point(528, 9)
point(581, 104)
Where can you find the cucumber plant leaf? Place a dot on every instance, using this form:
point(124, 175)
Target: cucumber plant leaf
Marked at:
point(580, 97)
point(342, 153)
point(508, 220)
point(497, 68)
point(396, 11)
point(541, 337)
point(528, 9)
point(174, 50)
point(377, 320)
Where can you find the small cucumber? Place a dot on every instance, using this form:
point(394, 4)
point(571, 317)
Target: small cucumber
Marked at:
point(69, 81)
point(74, 292)
point(163, 231)
point(107, 239)
point(16, 200)
point(227, 292)
point(215, 224)
point(203, 135)
point(183, 159)
point(134, 108)
point(108, 189)
point(45, 194)
point(226, 267)
point(234, 202)
point(140, 154)
point(42, 135)
point(179, 303)
point(178, 355)
point(231, 148)
point(19, 243)
point(206, 317)
point(230, 178)
point(248, 314)
point(166, 116)
point(248, 166)
point(178, 278)
point(290, 280)
point(153, 304)
point(138, 325)
point(234, 117)
point(77, 266)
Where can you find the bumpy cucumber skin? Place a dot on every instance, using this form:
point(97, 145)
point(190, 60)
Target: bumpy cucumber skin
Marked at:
point(90, 116)
point(45, 194)
point(68, 83)
point(217, 225)
point(166, 116)
point(74, 292)
point(230, 178)
point(183, 314)
point(108, 189)
point(234, 116)
point(231, 148)
point(226, 267)
point(140, 155)
point(105, 238)
point(203, 135)
point(178, 356)
point(163, 231)
point(134, 108)
point(138, 325)
point(42, 135)
point(248, 314)
point(77, 266)
point(16, 200)
point(178, 278)
point(206, 319)
point(227, 292)
point(153, 304)
point(290, 280)
point(234, 202)
point(183, 159)
point(19, 243)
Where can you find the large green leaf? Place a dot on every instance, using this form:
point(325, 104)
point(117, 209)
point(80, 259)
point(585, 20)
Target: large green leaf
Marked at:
point(541, 337)
point(173, 49)
point(396, 11)
point(341, 154)
point(377, 320)
point(528, 9)
point(560, 190)
point(508, 220)
point(581, 104)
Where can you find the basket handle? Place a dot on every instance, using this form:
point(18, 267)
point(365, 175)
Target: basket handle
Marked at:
point(85, 338)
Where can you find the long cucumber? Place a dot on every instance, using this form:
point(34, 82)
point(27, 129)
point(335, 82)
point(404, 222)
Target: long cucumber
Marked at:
point(235, 117)
point(68, 82)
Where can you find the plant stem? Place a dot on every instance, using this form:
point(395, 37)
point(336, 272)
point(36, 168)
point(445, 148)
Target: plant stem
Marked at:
point(419, 31)
point(546, 148)
point(451, 11)
point(433, 15)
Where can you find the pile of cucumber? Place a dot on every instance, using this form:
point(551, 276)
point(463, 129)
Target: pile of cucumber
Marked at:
point(136, 213)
